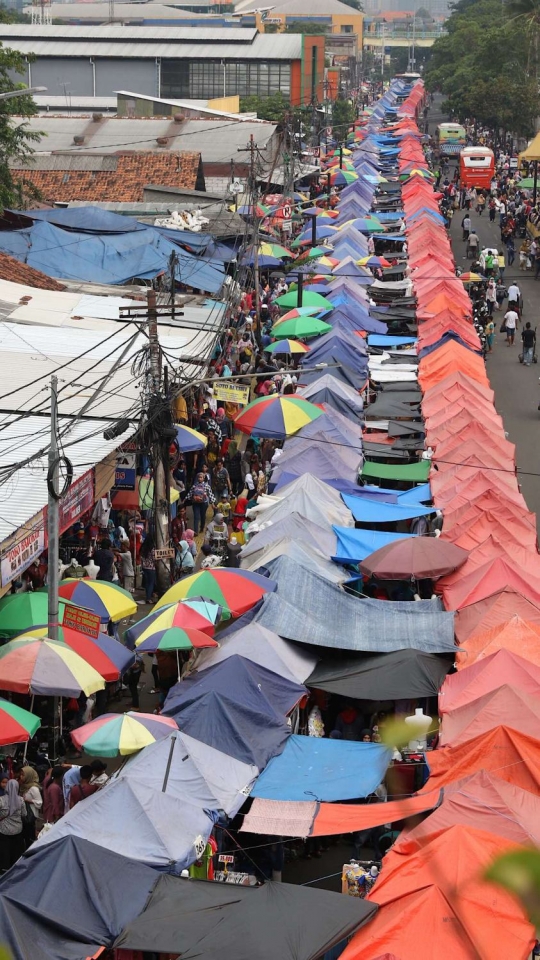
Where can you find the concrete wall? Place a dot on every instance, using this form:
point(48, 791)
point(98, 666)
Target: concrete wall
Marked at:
point(80, 77)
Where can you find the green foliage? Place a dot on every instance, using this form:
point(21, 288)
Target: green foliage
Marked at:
point(423, 14)
point(12, 16)
point(305, 26)
point(485, 66)
point(519, 872)
point(271, 108)
point(343, 114)
point(15, 139)
point(353, 3)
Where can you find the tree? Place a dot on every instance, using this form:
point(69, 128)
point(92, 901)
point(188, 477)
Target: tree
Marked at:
point(12, 16)
point(423, 14)
point(306, 27)
point(271, 108)
point(343, 114)
point(353, 3)
point(15, 138)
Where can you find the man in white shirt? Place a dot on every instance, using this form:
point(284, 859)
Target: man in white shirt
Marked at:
point(510, 319)
point(514, 294)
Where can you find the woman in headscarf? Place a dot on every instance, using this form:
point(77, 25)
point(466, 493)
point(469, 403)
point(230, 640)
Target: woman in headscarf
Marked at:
point(11, 826)
point(29, 790)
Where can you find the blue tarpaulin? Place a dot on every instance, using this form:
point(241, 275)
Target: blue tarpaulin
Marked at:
point(107, 258)
point(420, 494)
point(64, 900)
point(300, 611)
point(252, 736)
point(132, 818)
point(84, 219)
point(388, 343)
point(369, 511)
point(313, 768)
point(353, 546)
point(243, 681)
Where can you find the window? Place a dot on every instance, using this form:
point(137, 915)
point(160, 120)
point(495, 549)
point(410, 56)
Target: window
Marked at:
point(346, 28)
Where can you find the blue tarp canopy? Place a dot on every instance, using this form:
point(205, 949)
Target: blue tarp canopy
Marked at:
point(313, 768)
point(337, 395)
point(294, 449)
point(420, 494)
point(353, 546)
point(63, 901)
point(132, 818)
point(388, 343)
point(252, 736)
point(188, 769)
point(342, 373)
point(370, 511)
point(299, 610)
point(107, 258)
point(84, 219)
point(243, 681)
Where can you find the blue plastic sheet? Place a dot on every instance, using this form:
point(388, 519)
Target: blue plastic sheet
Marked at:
point(387, 343)
point(313, 768)
point(353, 546)
point(368, 511)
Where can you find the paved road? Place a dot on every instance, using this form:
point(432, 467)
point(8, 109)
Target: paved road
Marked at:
point(517, 389)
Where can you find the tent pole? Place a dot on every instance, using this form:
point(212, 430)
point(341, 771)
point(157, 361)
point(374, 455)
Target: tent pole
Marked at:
point(26, 744)
point(535, 182)
point(168, 768)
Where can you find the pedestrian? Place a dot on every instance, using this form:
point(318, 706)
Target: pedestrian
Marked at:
point(510, 322)
point(221, 481)
point(528, 338)
point(491, 297)
point(480, 204)
point(514, 297)
point(466, 226)
point(537, 263)
point(200, 497)
point(185, 562)
point(501, 264)
point(511, 250)
point(489, 331)
point(99, 774)
point(53, 797)
point(12, 812)
point(132, 677)
point(83, 789)
point(148, 567)
point(524, 254)
point(104, 559)
point(29, 790)
point(126, 561)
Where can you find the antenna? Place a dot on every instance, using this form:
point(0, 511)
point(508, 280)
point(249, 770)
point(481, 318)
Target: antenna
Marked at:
point(41, 12)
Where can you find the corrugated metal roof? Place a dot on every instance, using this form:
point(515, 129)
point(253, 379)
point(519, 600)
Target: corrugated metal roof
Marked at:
point(216, 140)
point(104, 32)
point(25, 493)
point(265, 47)
point(131, 11)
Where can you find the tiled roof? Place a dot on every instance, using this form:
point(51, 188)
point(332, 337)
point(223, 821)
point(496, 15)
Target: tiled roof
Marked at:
point(120, 177)
point(11, 269)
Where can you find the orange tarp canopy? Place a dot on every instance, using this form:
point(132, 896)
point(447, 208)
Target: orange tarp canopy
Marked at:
point(468, 402)
point(463, 474)
point(464, 419)
point(335, 818)
point(501, 546)
point(434, 903)
point(482, 801)
point(493, 502)
point(511, 755)
point(494, 611)
point(489, 448)
point(517, 635)
point(456, 493)
point(483, 581)
point(488, 674)
point(471, 533)
point(508, 706)
point(460, 380)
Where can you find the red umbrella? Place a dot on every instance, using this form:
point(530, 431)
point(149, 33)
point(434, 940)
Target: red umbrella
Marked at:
point(416, 557)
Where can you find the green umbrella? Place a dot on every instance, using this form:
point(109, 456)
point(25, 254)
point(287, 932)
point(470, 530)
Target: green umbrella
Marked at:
point(313, 254)
point(527, 183)
point(20, 611)
point(301, 327)
point(309, 299)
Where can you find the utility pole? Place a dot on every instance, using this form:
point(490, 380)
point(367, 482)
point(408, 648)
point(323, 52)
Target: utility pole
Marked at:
point(253, 195)
point(161, 505)
point(53, 524)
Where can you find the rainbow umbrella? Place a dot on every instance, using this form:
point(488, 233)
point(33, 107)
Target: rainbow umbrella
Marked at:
point(301, 327)
point(364, 223)
point(45, 667)
point(175, 639)
point(471, 277)
point(341, 178)
point(335, 153)
point(275, 416)
point(373, 262)
point(310, 299)
point(105, 599)
point(312, 254)
point(274, 250)
point(189, 440)
point(287, 346)
point(323, 231)
point(193, 614)
point(335, 165)
point(321, 213)
point(328, 262)
point(120, 734)
point(300, 312)
point(16, 725)
point(105, 654)
point(236, 591)
point(248, 210)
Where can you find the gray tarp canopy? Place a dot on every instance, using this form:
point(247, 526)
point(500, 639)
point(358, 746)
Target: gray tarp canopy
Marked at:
point(309, 609)
point(388, 405)
point(264, 647)
point(203, 920)
point(387, 676)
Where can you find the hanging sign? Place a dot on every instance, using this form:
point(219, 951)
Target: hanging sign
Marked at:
point(233, 392)
point(125, 469)
point(17, 558)
point(84, 621)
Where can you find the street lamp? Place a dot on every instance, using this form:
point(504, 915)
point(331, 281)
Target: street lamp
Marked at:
point(22, 93)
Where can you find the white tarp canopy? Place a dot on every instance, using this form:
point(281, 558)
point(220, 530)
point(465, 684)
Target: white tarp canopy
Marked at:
point(312, 498)
point(264, 647)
